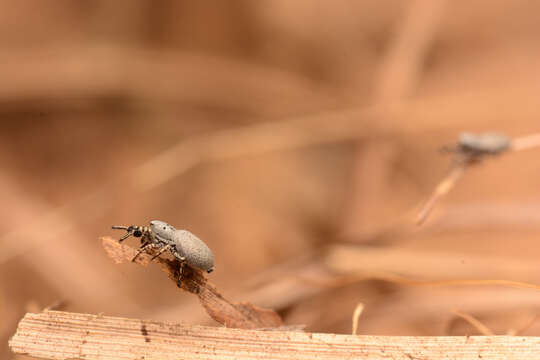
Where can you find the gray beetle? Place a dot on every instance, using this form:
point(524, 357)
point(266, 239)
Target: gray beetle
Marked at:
point(486, 143)
point(472, 148)
point(183, 245)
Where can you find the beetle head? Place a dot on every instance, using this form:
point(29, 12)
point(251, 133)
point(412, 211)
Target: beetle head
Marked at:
point(161, 229)
point(131, 230)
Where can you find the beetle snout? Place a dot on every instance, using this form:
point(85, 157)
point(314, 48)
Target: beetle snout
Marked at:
point(154, 223)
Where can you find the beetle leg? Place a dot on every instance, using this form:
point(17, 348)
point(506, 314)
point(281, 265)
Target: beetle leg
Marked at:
point(141, 249)
point(181, 270)
point(161, 251)
point(146, 239)
point(125, 237)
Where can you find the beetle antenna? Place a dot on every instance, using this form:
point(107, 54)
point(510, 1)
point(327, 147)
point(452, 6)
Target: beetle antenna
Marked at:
point(119, 227)
point(125, 237)
point(129, 230)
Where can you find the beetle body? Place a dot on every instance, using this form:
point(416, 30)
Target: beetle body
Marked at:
point(183, 245)
point(486, 143)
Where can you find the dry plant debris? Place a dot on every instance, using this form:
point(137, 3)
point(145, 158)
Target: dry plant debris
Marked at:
point(64, 335)
point(472, 149)
point(222, 310)
point(477, 324)
point(356, 316)
point(351, 264)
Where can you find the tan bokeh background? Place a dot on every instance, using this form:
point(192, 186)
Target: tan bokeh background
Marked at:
point(274, 130)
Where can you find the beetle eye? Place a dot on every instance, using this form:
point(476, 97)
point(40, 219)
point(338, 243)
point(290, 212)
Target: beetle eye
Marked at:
point(164, 228)
point(137, 233)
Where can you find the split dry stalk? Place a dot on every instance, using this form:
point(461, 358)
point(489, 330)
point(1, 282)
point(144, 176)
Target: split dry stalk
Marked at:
point(222, 310)
point(63, 335)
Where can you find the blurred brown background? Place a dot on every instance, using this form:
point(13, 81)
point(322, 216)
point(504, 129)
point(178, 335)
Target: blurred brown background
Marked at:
point(276, 131)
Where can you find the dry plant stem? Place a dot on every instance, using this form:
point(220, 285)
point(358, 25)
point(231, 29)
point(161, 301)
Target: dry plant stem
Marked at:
point(517, 144)
point(432, 306)
point(527, 326)
point(278, 287)
point(343, 265)
point(399, 72)
point(292, 133)
point(26, 219)
point(106, 70)
point(405, 266)
point(401, 225)
point(441, 190)
point(344, 280)
point(403, 117)
point(356, 316)
point(401, 67)
point(62, 335)
point(225, 312)
point(107, 74)
point(483, 329)
point(525, 142)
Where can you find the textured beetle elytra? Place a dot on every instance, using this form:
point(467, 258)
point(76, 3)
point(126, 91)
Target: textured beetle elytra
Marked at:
point(183, 245)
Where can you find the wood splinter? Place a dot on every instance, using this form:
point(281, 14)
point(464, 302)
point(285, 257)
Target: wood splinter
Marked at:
point(64, 335)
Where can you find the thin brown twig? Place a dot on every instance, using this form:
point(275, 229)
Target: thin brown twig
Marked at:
point(525, 142)
point(279, 287)
point(400, 69)
point(477, 324)
point(112, 69)
point(347, 279)
point(351, 264)
point(356, 316)
point(440, 191)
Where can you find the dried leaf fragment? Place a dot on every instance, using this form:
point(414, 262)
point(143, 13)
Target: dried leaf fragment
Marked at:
point(222, 310)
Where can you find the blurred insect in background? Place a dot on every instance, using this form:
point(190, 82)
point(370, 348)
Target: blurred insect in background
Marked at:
point(187, 248)
point(473, 146)
point(470, 149)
